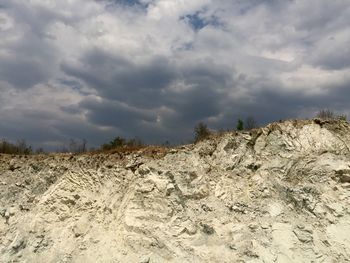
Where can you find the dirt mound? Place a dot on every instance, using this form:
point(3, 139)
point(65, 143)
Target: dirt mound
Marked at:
point(276, 194)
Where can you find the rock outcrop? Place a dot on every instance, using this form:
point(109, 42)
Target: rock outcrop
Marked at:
point(275, 194)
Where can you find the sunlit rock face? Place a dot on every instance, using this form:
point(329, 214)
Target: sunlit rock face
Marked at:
point(275, 194)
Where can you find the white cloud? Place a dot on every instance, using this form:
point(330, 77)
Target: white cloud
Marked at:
point(173, 9)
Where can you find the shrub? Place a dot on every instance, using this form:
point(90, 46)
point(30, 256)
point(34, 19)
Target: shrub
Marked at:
point(201, 132)
point(120, 142)
point(115, 143)
point(342, 117)
point(240, 125)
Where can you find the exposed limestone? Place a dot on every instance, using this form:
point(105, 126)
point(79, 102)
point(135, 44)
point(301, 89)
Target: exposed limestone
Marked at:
point(275, 194)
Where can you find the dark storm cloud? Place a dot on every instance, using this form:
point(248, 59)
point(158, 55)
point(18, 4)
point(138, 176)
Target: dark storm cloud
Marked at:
point(274, 104)
point(29, 60)
point(17, 125)
point(208, 84)
point(117, 78)
point(148, 87)
point(335, 61)
point(50, 130)
point(153, 69)
point(23, 73)
point(115, 114)
point(333, 54)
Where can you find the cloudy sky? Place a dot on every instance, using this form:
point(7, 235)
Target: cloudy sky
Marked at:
point(152, 69)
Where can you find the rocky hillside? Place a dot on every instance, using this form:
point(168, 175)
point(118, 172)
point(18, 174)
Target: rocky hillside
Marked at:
point(276, 194)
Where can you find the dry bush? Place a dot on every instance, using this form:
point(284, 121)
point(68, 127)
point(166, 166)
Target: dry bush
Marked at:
point(122, 143)
point(326, 114)
point(201, 132)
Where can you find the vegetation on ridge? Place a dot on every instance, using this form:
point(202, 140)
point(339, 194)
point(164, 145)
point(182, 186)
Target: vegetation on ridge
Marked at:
point(20, 147)
point(201, 132)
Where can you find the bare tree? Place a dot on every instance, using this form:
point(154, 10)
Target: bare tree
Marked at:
point(40, 150)
point(21, 147)
point(83, 145)
point(250, 123)
point(74, 146)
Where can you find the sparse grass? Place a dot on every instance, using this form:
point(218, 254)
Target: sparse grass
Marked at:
point(327, 114)
point(144, 150)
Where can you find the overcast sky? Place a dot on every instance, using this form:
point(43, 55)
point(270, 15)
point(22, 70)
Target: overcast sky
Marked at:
point(152, 69)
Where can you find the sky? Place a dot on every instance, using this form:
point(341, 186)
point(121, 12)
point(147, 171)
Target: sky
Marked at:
point(153, 69)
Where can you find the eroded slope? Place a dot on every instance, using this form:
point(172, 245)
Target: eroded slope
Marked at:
point(276, 194)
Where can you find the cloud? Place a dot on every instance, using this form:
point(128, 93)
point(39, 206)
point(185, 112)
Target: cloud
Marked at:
point(117, 78)
point(154, 68)
point(193, 89)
